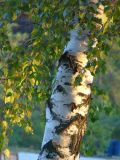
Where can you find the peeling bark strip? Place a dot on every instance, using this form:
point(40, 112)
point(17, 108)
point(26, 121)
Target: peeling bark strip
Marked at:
point(67, 109)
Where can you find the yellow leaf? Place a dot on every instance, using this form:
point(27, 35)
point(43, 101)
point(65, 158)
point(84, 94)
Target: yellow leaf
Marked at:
point(14, 17)
point(4, 124)
point(16, 120)
point(9, 82)
point(28, 129)
point(9, 99)
point(7, 153)
point(36, 62)
point(104, 18)
point(29, 113)
point(22, 115)
point(7, 112)
point(32, 81)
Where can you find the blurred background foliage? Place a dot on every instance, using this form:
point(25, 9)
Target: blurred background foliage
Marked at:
point(32, 37)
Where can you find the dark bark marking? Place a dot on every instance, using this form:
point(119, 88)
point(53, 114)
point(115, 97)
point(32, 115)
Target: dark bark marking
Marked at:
point(66, 65)
point(81, 94)
point(86, 100)
point(73, 106)
point(65, 124)
point(62, 126)
point(89, 84)
point(63, 58)
point(63, 76)
point(77, 138)
point(70, 62)
point(75, 143)
point(77, 146)
point(74, 139)
point(49, 104)
point(67, 84)
point(60, 88)
point(52, 150)
point(82, 126)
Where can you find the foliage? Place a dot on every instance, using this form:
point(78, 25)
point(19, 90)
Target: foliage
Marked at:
point(33, 141)
point(104, 112)
point(103, 126)
point(27, 72)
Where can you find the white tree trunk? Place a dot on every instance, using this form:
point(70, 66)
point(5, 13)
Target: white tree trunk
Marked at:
point(68, 105)
point(67, 109)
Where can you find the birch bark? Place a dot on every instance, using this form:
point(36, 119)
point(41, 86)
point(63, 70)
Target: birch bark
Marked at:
point(67, 108)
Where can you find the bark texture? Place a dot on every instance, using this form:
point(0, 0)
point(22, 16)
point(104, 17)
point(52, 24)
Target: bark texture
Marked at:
point(67, 108)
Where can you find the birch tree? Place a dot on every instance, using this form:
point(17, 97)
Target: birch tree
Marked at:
point(26, 73)
point(68, 106)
